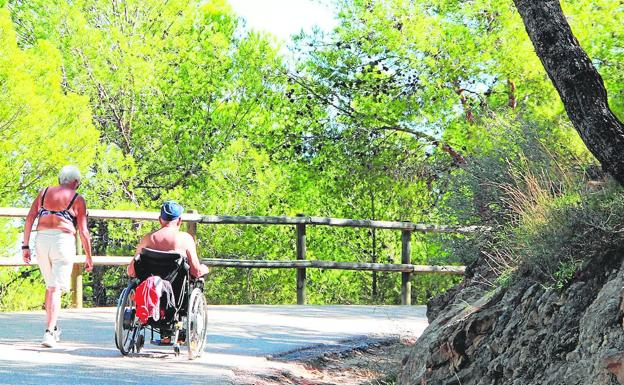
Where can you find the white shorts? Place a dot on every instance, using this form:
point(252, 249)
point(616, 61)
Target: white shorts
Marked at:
point(56, 252)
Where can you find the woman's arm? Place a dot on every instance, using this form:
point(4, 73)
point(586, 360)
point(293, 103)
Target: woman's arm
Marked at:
point(80, 208)
point(30, 220)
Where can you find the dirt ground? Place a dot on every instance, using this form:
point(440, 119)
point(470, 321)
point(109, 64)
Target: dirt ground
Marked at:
point(361, 362)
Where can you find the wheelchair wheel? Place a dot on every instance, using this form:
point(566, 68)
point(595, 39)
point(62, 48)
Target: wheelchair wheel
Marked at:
point(126, 326)
point(196, 323)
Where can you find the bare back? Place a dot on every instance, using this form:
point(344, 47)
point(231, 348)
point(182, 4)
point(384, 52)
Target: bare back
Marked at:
point(57, 198)
point(62, 209)
point(170, 238)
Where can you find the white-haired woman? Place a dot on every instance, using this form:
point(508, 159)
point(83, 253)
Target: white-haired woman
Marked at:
point(61, 213)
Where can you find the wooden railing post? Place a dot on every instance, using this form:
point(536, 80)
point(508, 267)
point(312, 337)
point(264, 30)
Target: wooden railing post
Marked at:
point(301, 255)
point(191, 227)
point(76, 278)
point(406, 286)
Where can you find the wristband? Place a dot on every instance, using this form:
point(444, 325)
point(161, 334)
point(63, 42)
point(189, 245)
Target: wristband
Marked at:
point(25, 247)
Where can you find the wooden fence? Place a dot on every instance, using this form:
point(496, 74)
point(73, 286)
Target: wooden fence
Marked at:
point(406, 269)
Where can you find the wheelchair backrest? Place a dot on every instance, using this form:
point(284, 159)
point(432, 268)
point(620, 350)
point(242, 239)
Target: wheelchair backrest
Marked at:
point(160, 263)
point(170, 266)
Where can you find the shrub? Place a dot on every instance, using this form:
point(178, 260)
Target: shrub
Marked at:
point(21, 289)
point(540, 194)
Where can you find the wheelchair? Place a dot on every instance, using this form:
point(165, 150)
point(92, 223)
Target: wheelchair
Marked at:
point(186, 320)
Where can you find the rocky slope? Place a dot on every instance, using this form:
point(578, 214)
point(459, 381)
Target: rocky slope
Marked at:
point(525, 334)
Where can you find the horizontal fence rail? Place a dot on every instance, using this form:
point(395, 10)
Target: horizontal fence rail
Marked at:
point(277, 264)
point(301, 263)
point(257, 220)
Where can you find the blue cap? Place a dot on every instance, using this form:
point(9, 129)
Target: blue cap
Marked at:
point(171, 210)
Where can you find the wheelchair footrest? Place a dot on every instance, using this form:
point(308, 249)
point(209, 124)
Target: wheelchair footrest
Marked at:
point(168, 343)
point(161, 343)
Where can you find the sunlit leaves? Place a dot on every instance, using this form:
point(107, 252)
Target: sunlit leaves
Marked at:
point(42, 127)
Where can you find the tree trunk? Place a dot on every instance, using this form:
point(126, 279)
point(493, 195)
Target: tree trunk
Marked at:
point(512, 102)
point(579, 84)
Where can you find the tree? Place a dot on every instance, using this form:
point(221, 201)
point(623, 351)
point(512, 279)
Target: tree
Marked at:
point(579, 84)
point(41, 126)
point(170, 83)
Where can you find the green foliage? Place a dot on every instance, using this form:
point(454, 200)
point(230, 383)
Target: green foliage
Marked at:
point(505, 278)
point(21, 289)
point(558, 223)
point(565, 272)
point(434, 111)
point(575, 230)
point(41, 124)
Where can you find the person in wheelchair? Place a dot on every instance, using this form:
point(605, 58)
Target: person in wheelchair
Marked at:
point(169, 238)
point(167, 256)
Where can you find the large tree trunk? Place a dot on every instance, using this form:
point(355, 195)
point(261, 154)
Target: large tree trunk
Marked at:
point(577, 81)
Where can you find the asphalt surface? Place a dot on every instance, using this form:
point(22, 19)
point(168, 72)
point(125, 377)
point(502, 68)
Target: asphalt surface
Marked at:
point(240, 340)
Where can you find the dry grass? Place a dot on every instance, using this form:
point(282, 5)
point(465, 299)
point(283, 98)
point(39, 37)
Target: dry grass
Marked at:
point(528, 193)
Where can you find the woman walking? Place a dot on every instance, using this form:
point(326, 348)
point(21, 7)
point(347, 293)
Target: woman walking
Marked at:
point(61, 213)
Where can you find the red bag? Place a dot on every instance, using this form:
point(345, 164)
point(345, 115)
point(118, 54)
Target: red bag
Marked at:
point(147, 299)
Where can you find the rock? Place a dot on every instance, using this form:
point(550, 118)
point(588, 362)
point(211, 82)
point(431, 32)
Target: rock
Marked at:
point(525, 333)
point(614, 363)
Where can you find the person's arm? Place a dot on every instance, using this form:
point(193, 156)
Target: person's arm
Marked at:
point(30, 220)
point(142, 244)
point(80, 208)
point(197, 269)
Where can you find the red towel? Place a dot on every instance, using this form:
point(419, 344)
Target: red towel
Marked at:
point(147, 299)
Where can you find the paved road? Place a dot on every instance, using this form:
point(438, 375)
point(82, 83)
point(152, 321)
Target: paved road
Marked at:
point(239, 341)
